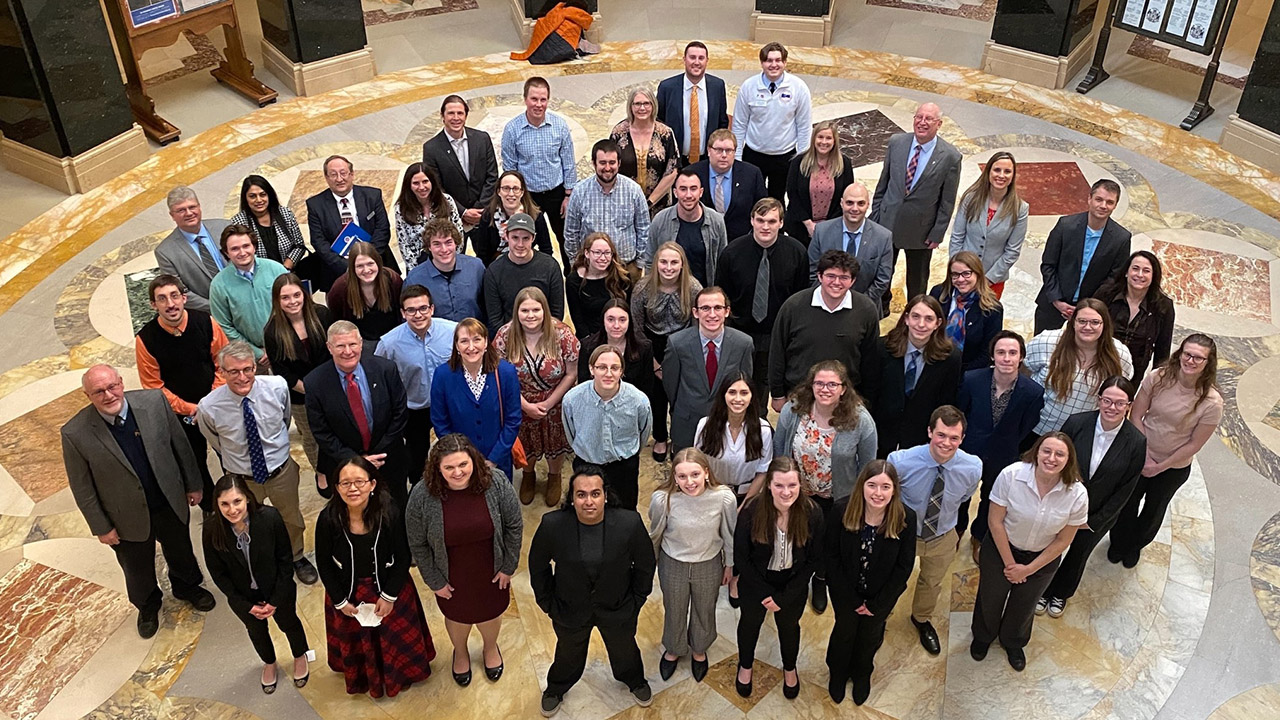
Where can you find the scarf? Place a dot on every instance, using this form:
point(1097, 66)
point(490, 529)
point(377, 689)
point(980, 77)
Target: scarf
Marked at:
point(955, 320)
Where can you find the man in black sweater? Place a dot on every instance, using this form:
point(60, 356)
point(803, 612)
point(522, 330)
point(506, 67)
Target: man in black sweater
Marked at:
point(518, 269)
point(830, 322)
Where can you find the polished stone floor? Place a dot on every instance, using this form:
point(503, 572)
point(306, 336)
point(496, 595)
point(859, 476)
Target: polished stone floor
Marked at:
point(1194, 631)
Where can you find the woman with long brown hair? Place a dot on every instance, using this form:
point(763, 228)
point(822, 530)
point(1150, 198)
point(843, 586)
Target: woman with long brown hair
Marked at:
point(1071, 362)
point(618, 331)
point(511, 197)
point(595, 278)
point(991, 220)
point(368, 294)
point(816, 180)
point(422, 199)
point(1141, 311)
point(973, 312)
point(920, 371)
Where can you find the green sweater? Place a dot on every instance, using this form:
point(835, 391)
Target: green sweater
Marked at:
point(242, 306)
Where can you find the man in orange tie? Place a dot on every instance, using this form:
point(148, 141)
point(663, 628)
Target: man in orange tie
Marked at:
point(693, 104)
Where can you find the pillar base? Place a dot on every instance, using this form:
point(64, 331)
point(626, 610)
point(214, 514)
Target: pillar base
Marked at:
point(524, 25)
point(793, 29)
point(320, 76)
point(1031, 67)
point(1256, 144)
point(82, 172)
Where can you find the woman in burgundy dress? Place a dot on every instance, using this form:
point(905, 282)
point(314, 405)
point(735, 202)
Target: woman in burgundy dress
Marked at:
point(464, 528)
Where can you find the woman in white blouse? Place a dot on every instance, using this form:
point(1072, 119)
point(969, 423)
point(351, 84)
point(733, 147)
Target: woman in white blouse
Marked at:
point(1037, 506)
point(691, 521)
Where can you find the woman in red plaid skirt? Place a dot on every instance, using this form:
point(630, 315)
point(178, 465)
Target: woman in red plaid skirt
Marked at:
point(362, 554)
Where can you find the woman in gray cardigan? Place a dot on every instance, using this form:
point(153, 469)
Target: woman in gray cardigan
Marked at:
point(464, 527)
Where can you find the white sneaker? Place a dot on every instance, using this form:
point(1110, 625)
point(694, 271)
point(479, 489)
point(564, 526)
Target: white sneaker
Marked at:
point(1041, 605)
point(1057, 606)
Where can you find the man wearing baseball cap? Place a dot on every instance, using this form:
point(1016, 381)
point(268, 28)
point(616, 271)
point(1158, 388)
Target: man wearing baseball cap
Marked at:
point(518, 269)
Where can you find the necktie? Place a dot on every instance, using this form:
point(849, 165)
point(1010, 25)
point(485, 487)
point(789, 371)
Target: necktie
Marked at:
point(851, 241)
point(119, 422)
point(772, 87)
point(695, 126)
point(913, 369)
point(257, 460)
point(346, 209)
point(357, 409)
point(206, 258)
point(911, 167)
point(717, 195)
point(935, 507)
point(760, 302)
point(713, 365)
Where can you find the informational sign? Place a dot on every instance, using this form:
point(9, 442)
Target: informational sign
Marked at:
point(1192, 24)
point(143, 12)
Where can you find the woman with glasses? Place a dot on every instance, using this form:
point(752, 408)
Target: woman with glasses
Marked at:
point(973, 313)
point(991, 221)
point(511, 197)
point(816, 180)
point(920, 371)
point(1070, 363)
point(273, 225)
point(1142, 313)
point(595, 278)
point(1178, 409)
point(647, 150)
point(368, 294)
point(422, 199)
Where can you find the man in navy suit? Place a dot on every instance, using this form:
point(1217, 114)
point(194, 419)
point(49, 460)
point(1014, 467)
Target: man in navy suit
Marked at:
point(329, 210)
point(730, 186)
point(693, 104)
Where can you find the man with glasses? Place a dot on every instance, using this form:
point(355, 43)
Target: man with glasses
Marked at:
point(1082, 251)
point(870, 243)
point(698, 229)
point(830, 322)
point(417, 347)
point(696, 358)
point(730, 186)
point(612, 204)
point(345, 202)
point(246, 422)
point(455, 280)
point(133, 476)
point(191, 250)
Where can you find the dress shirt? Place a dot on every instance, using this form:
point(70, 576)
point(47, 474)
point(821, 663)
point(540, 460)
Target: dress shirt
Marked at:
point(622, 214)
point(123, 414)
point(455, 295)
point(1091, 239)
point(1102, 440)
point(418, 357)
point(714, 177)
point(703, 340)
point(926, 152)
point(732, 467)
point(917, 470)
point(919, 358)
point(542, 153)
point(246, 274)
point(846, 302)
point(221, 419)
point(462, 150)
point(603, 431)
point(350, 197)
point(206, 240)
point(1084, 387)
point(701, 87)
point(1031, 521)
point(773, 123)
point(853, 238)
point(363, 382)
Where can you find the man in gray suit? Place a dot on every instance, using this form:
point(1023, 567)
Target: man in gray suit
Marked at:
point(916, 193)
point(697, 358)
point(191, 250)
point(870, 243)
point(133, 475)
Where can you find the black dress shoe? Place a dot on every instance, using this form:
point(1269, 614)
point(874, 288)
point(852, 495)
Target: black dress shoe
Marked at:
point(836, 687)
point(928, 636)
point(1115, 554)
point(148, 623)
point(463, 678)
point(861, 689)
point(495, 673)
point(699, 669)
point(790, 692)
point(201, 600)
point(1132, 558)
point(743, 688)
point(325, 492)
point(978, 651)
point(1017, 658)
point(667, 668)
point(305, 571)
point(818, 596)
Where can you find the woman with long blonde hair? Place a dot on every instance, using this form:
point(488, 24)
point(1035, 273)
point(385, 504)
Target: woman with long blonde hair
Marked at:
point(647, 150)
point(816, 180)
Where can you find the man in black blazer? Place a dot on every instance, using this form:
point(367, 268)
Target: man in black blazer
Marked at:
point(693, 104)
point(1083, 250)
point(329, 210)
point(740, 184)
point(591, 565)
point(375, 426)
point(464, 160)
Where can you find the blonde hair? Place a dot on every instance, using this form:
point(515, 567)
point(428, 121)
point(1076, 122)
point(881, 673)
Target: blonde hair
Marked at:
point(548, 344)
point(651, 282)
point(835, 162)
point(631, 98)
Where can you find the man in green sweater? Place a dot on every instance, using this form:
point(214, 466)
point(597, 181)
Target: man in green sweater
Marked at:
point(240, 294)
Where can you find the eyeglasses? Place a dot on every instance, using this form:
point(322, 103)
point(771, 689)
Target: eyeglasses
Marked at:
point(607, 368)
point(1107, 402)
point(600, 253)
point(108, 391)
point(712, 308)
point(348, 484)
point(721, 151)
point(642, 103)
point(965, 275)
point(827, 385)
point(1194, 359)
point(510, 189)
point(1089, 323)
point(836, 278)
point(339, 174)
point(423, 310)
point(239, 372)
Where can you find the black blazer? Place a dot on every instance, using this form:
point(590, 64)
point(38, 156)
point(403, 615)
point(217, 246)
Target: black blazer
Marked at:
point(751, 559)
point(748, 187)
point(485, 239)
point(336, 567)
point(800, 206)
point(979, 327)
point(903, 421)
point(1063, 254)
point(334, 426)
point(270, 556)
point(566, 593)
point(1118, 473)
point(325, 224)
point(891, 563)
point(437, 154)
point(317, 353)
point(670, 108)
point(997, 444)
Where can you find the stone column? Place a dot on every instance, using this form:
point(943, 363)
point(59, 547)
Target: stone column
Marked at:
point(315, 46)
point(1043, 43)
point(63, 111)
point(1253, 131)
point(793, 22)
point(525, 12)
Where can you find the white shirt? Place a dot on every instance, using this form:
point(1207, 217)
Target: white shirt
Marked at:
point(460, 149)
point(732, 467)
point(1102, 440)
point(350, 210)
point(1033, 522)
point(701, 87)
point(773, 123)
point(846, 303)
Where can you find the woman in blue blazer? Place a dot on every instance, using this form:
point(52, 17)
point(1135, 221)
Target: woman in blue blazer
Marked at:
point(971, 312)
point(994, 433)
point(478, 395)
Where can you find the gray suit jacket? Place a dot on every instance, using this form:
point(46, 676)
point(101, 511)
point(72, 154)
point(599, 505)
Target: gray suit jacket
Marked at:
point(998, 244)
point(104, 484)
point(684, 376)
point(922, 215)
point(176, 257)
point(875, 254)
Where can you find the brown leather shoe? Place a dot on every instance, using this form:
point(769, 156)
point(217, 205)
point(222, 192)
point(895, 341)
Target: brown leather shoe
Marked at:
point(528, 483)
point(553, 490)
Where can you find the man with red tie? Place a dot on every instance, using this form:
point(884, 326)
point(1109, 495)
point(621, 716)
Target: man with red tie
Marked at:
point(358, 406)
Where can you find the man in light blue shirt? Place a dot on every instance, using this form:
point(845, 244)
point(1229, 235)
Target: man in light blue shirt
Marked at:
point(418, 347)
point(607, 421)
point(539, 146)
point(935, 479)
point(610, 203)
point(454, 280)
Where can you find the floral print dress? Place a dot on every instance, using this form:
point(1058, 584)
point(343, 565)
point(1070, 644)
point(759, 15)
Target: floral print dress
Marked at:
point(539, 376)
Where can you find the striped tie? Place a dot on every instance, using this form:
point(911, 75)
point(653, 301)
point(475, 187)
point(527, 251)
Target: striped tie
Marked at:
point(935, 507)
point(911, 168)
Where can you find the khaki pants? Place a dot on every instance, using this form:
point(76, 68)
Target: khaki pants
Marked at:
point(282, 491)
point(935, 557)
point(309, 446)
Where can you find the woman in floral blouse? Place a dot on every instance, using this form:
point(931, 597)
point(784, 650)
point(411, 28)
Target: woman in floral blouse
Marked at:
point(647, 149)
point(421, 200)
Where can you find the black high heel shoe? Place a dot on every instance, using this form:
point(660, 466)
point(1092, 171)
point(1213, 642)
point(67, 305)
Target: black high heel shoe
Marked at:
point(325, 492)
point(494, 673)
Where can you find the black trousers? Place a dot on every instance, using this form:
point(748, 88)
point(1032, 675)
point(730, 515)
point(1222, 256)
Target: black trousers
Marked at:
point(1067, 579)
point(773, 167)
point(787, 620)
point(825, 506)
point(286, 617)
point(1047, 317)
point(1004, 610)
point(549, 202)
point(979, 528)
point(759, 380)
point(917, 273)
point(200, 447)
point(417, 437)
point(657, 393)
point(622, 477)
point(1134, 529)
point(571, 655)
point(855, 638)
point(138, 560)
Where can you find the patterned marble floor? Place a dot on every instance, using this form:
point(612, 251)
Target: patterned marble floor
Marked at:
point(1123, 648)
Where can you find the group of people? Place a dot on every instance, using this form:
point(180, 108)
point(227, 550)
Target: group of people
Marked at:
point(700, 302)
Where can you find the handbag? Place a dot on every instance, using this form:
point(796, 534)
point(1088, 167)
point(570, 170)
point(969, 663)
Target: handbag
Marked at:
point(519, 460)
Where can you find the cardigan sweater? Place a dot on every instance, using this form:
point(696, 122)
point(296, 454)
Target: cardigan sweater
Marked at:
point(424, 523)
point(336, 565)
point(850, 449)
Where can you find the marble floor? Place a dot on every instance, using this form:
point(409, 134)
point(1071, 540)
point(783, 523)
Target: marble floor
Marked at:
point(1193, 632)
